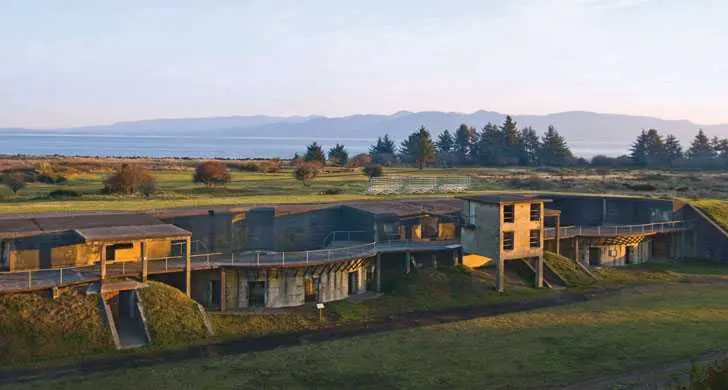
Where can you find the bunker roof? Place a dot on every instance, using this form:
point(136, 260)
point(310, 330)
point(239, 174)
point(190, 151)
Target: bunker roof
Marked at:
point(408, 208)
point(504, 198)
point(27, 225)
point(132, 232)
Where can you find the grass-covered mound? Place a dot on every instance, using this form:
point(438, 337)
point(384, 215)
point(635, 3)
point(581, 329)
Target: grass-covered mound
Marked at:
point(172, 317)
point(35, 328)
point(715, 209)
point(568, 269)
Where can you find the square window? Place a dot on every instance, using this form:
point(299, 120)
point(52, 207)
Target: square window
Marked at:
point(508, 241)
point(509, 213)
point(535, 239)
point(535, 212)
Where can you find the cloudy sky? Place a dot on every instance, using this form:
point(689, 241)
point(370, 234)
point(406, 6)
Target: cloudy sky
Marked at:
point(83, 62)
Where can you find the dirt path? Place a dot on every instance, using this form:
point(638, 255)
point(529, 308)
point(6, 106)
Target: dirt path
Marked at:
point(242, 346)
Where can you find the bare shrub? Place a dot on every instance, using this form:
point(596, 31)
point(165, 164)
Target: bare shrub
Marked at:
point(211, 173)
point(127, 180)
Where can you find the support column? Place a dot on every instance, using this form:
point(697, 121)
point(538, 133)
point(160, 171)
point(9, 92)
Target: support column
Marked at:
point(379, 273)
point(557, 232)
point(222, 288)
point(434, 260)
point(188, 267)
point(499, 276)
point(103, 263)
point(455, 255)
point(576, 250)
point(143, 256)
point(407, 262)
point(604, 211)
point(539, 272)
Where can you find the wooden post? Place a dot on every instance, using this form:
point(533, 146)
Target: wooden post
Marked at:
point(103, 262)
point(539, 273)
point(500, 277)
point(379, 272)
point(407, 262)
point(188, 267)
point(558, 235)
point(222, 288)
point(143, 255)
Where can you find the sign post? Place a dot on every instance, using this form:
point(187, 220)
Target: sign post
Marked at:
point(320, 307)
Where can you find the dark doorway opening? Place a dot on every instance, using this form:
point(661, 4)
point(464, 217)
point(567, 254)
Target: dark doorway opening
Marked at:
point(310, 289)
point(595, 256)
point(353, 282)
point(111, 250)
point(256, 294)
point(213, 293)
point(4, 256)
point(628, 255)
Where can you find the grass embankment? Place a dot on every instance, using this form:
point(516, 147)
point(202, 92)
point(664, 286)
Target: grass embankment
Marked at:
point(35, 328)
point(427, 289)
point(172, 317)
point(715, 209)
point(569, 270)
point(538, 349)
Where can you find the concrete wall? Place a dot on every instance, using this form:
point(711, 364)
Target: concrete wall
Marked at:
point(596, 210)
point(484, 238)
point(616, 255)
point(522, 227)
point(283, 288)
point(707, 240)
point(307, 230)
point(214, 231)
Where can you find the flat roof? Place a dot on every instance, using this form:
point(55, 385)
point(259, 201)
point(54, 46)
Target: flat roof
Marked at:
point(132, 232)
point(504, 198)
point(28, 225)
point(407, 208)
point(551, 212)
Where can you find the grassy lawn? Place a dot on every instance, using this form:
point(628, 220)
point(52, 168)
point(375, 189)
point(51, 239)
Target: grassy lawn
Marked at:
point(538, 349)
point(176, 189)
point(172, 317)
point(716, 209)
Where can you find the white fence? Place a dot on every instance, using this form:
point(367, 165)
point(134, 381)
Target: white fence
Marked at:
point(417, 184)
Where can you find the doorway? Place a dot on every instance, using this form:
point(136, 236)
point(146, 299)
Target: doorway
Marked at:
point(628, 255)
point(310, 289)
point(353, 282)
point(213, 293)
point(595, 256)
point(4, 256)
point(256, 294)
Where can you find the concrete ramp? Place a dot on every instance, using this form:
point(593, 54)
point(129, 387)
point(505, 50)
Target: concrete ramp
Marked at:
point(124, 315)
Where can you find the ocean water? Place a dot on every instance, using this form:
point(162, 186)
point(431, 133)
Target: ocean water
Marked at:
point(150, 145)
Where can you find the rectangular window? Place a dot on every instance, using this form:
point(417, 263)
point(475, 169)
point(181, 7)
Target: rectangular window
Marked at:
point(509, 213)
point(388, 228)
point(508, 241)
point(111, 250)
point(535, 212)
point(535, 239)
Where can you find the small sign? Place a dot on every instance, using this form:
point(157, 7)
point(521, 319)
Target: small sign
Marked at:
point(320, 306)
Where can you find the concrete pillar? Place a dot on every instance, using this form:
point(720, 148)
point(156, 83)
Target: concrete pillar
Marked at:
point(604, 211)
point(455, 255)
point(379, 273)
point(143, 257)
point(188, 267)
point(500, 274)
point(407, 262)
point(539, 272)
point(434, 260)
point(576, 250)
point(557, 231)
point(222, 288)
point(102, 275)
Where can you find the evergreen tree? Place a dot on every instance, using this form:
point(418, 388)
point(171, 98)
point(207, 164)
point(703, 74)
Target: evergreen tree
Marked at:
point(445, 142)
point(418, 148)
point(338, 155)
point(554, 150)
point(638, 152)
point(314, 153)
point(657, 155)
point(464, 147)
point(384, 151)
point(514, 150)
point(531, 144)
point(673, 150)
point(701, 151)
point(491, 145)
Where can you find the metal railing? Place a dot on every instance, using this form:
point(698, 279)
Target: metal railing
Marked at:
point(618, 230)
point(345, 235)
point(63, 276)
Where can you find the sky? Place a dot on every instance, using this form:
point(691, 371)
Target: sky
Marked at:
point(89, 62)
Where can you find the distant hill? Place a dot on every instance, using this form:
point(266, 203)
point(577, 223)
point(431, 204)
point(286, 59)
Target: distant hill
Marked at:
point(576, 126)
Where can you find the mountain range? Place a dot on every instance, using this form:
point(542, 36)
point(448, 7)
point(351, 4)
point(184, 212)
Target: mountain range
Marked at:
point(588, 133)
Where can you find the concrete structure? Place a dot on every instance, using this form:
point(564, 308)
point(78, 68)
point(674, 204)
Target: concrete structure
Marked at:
point(505, 227)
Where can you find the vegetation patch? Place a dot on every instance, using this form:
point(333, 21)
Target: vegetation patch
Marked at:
point(568, 269)
point(35, 328)
point(172, 317)
point(716, 209)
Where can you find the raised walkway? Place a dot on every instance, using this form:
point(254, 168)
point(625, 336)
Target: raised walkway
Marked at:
point(618, 230)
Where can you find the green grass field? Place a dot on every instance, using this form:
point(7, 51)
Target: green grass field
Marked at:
point(549, 347)
point(176, 189)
